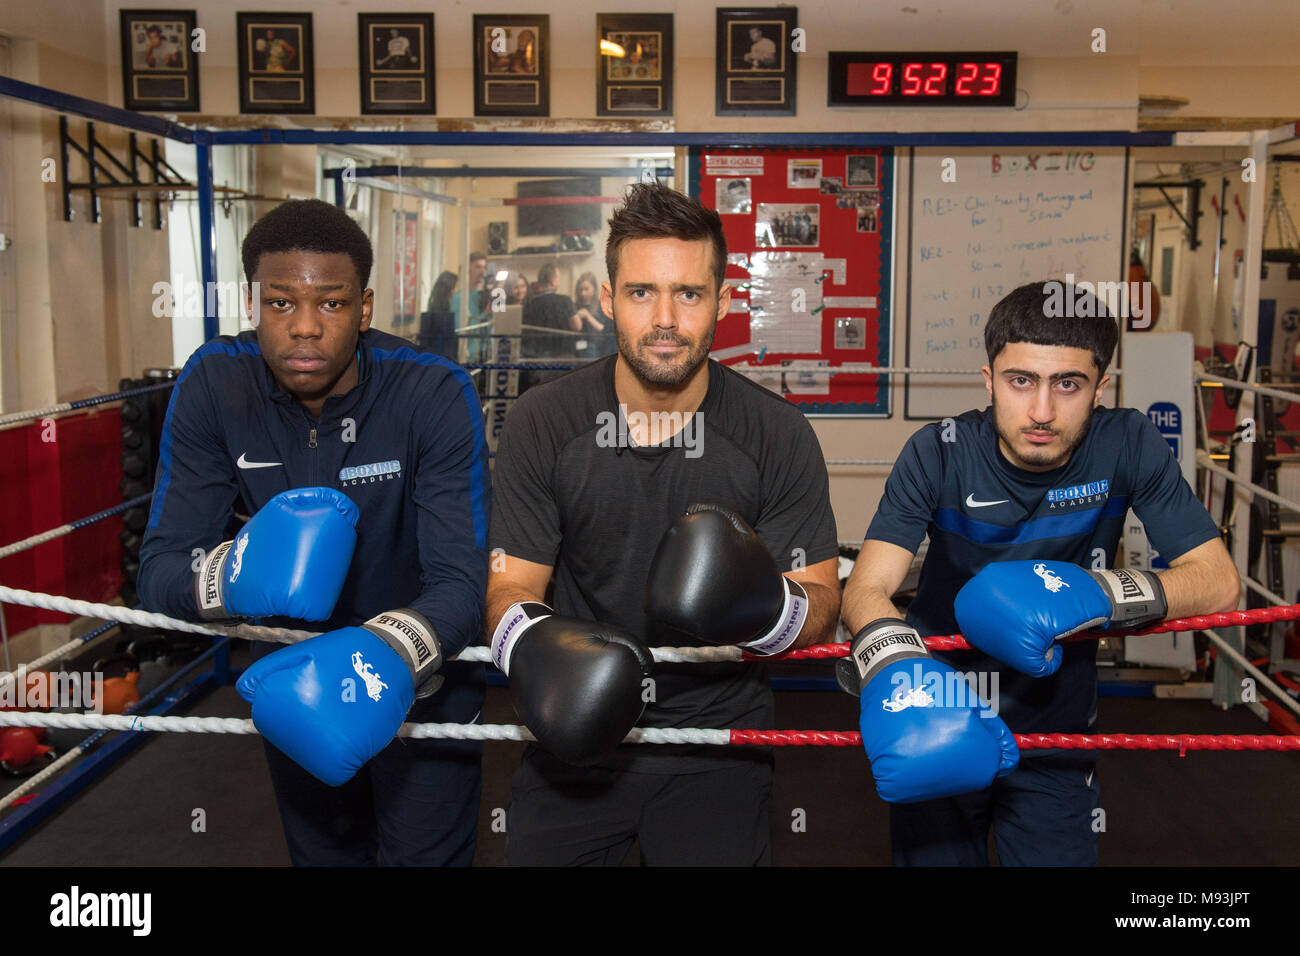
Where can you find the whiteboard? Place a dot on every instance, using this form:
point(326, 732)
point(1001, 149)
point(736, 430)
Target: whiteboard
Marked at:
point(1015, 215)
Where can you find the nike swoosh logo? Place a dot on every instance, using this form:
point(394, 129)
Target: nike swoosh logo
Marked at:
point(1088, 780)
point(972, 503)
point(243, 463)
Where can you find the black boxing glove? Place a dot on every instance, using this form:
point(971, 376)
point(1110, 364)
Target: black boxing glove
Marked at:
point(575, 684)
point(713, 579)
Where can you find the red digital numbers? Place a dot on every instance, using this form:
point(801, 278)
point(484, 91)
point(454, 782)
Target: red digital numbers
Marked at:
point(883, 75)
point(925, 79)
point(989, 75)
point(934, 83)
point(870, 79)
point(940, 79)
point(992, 79)
point(911, 79)
point(968, 73)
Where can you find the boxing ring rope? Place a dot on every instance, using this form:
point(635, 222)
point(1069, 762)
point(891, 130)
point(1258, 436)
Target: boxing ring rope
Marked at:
point(26, 543)
point(16, 417)
point(673, 655)
point(661, 735)
point(125, 615)
point(62, 651)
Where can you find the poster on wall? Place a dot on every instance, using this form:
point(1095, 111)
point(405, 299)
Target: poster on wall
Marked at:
point(276, 72)
point(634, 64)
point(756, 67)
point(159, 69)
point(406, 262)
point(809, 263)
point(396, 62)
point(512, 65)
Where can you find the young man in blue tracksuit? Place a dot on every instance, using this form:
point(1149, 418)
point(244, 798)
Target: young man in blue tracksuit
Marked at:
point(363, 463)
point(1024, 504)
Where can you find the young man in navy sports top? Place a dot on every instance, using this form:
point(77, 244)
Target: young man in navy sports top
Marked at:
point(1024, 504)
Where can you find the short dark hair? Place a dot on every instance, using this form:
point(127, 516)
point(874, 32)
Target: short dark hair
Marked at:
point(1038, 313)
point(548, 273)
point(307, 225)
point(477, 257)
point(653, 211)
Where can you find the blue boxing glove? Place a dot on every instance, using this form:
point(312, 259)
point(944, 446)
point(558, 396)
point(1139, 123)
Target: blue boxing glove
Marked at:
point(925, 730)
point(289, 560)
point(337, 699)
point(1016, 611)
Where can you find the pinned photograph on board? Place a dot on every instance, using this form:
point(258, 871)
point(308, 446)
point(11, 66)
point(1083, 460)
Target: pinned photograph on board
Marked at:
point(732, 196)
point(868, 219)
point(851, 332)
point(787, 224)
point(803, 173)
point(831, 185)
point(860, 172)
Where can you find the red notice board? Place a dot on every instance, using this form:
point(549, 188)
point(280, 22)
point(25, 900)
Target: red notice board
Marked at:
point(809, 236)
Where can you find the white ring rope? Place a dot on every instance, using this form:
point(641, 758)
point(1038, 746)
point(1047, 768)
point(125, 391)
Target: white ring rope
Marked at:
point(125, 615)
point(40, 662)
point(34, 781)
point(35, 540)
point(238, 725)
point(281, 635)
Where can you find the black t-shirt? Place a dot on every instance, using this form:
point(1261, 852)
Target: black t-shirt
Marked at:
point(570, 490)
point(553, 311)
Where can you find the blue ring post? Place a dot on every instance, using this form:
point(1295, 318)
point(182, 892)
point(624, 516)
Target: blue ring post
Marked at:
point(207, 226)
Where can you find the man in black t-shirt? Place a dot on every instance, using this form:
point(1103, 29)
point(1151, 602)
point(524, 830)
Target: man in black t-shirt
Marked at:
point(548, 309)
point(675, 503)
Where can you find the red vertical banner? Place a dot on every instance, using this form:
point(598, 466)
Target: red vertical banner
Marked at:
point(406, 260)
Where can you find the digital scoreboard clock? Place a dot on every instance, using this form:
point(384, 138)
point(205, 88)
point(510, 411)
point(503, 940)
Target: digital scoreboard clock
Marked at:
point(922, 79)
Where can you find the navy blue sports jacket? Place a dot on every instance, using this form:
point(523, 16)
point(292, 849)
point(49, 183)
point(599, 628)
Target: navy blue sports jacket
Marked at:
point(406, 444)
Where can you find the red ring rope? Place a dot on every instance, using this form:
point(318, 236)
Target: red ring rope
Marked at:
point(1180, 742)
point(955, 642)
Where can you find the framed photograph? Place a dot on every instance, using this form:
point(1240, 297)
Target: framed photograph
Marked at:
point(756, 69)
point(861, 172)
point(732, 196)
point(396, 62)
point(803, 173)
point(780, 224)
point(634, 64)
point(159, 70)
point(512, 64)
point(276, 71)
